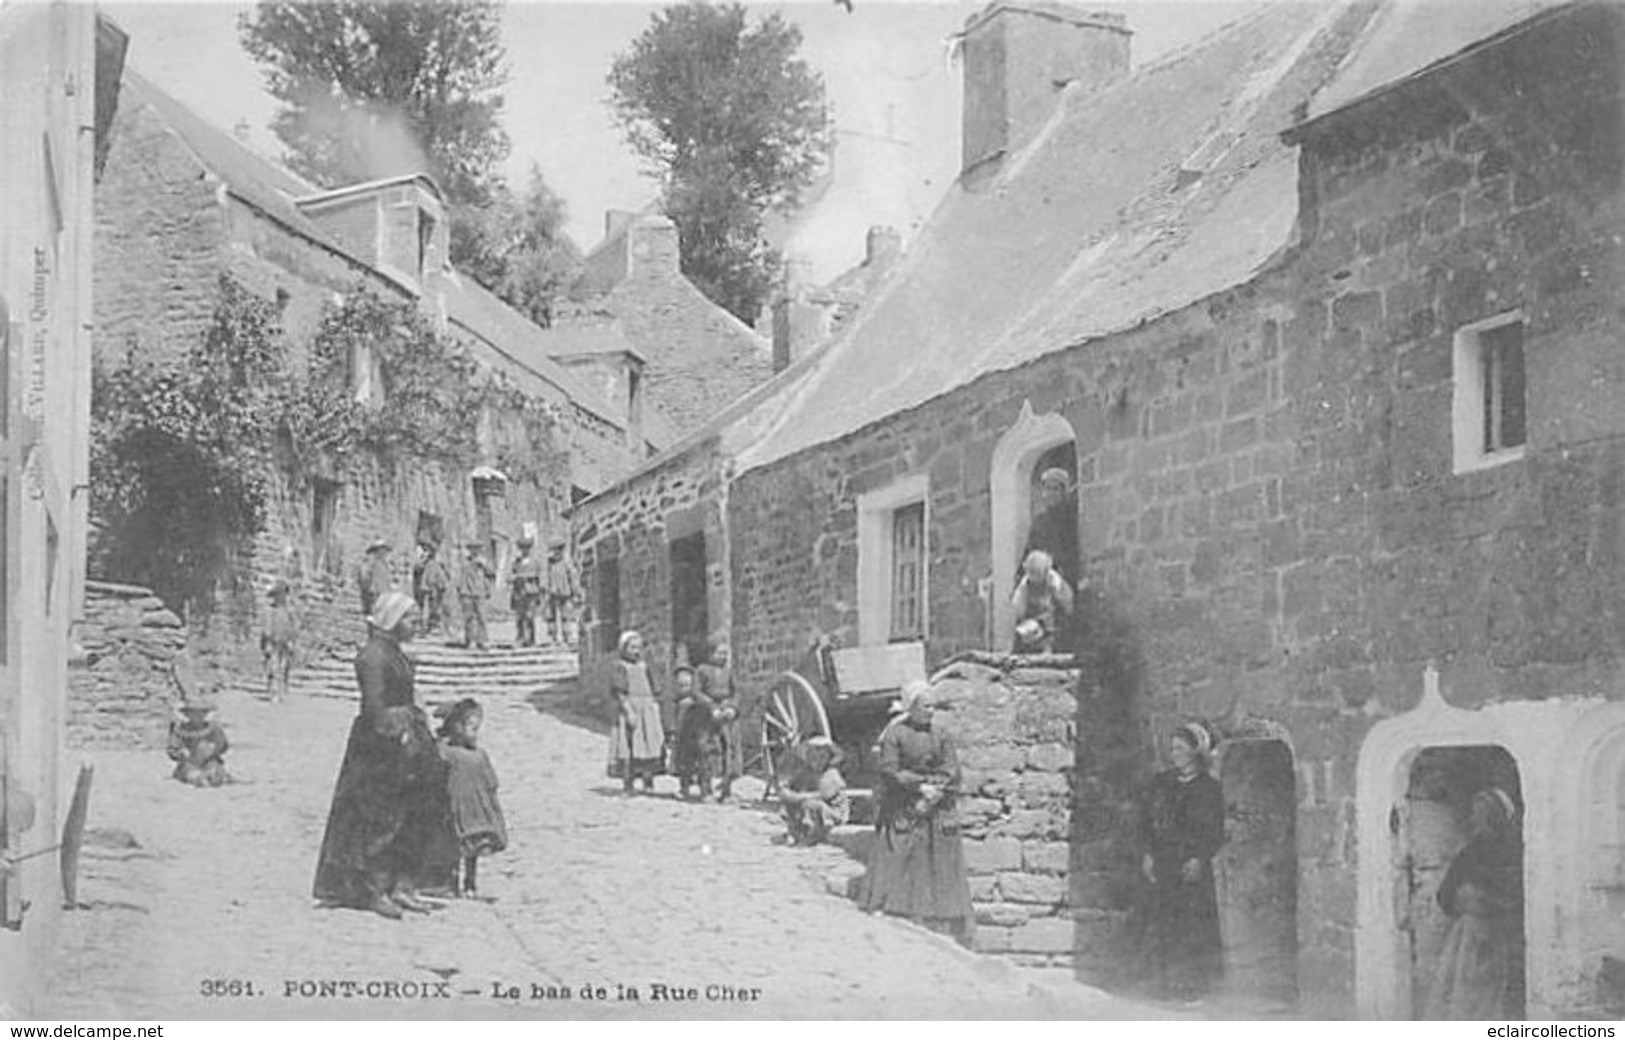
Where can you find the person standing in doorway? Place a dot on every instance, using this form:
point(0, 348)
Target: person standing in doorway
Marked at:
point(1054, 528)
point(375, 578)
point(1479, 975)
point(526, 592)
point(561, 595)
point(1183, 827)
point(473, 589)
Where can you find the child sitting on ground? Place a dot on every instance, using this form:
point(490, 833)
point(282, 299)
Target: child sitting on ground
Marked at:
point(476, 814)
point(197, 744)
point(814, 801)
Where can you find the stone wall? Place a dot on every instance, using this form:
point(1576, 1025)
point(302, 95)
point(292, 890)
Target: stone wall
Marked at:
point(1274, 534)
point(635, 523)
point(698, 357)
point(1015, 732)
point(157, 245)
point(120, 691)
point(166, 230)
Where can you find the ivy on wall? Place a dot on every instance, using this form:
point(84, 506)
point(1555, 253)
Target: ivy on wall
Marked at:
point(179, 453)
point(183, 455)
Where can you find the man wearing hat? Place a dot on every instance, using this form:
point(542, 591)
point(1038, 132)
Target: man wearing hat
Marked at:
point(473, 589)
point(375, 578)
point(561, 592)
point(436, 584)
point(525, 589)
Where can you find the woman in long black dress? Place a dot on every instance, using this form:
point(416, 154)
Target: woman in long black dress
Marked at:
point(917, 868)
point(1479, 975)
point(1184, 827)
point(389, 801)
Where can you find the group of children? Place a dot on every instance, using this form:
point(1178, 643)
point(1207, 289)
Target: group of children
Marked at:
point(197, 745)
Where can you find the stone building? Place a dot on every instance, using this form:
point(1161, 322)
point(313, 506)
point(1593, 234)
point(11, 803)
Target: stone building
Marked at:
point(696, 356)
point(1320, 315)
point(185, 204)
point(59, 74)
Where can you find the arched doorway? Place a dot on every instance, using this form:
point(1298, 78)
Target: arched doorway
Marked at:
point(1032, 445)
point(1256, 874)
point(1399, 851)
point(1433, 828)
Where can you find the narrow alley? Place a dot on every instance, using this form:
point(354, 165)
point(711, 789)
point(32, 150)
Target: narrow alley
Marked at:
point(692, 906)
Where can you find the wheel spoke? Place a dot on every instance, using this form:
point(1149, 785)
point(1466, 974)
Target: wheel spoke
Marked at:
point(795, 720)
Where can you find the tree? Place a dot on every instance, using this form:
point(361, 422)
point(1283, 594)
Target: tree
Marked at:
point(371, 89)
point(734, 124)
point(517, 248)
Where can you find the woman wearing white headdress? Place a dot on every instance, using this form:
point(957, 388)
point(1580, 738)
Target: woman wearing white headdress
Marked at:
point(386, 803)
point(1183, 826)
point(917, 866)
point(1479, 975)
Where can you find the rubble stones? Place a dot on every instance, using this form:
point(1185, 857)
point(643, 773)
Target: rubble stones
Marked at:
point(120, 689)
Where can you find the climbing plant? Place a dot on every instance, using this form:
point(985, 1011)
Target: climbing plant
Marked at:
point(183, 453)
point(179, 452)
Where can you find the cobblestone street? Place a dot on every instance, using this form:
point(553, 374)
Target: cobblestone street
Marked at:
point(182, 885)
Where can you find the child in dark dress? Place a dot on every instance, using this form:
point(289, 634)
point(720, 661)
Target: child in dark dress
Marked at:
point(476, 814)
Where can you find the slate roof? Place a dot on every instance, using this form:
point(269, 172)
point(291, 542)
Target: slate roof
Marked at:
point(1408, 37)
point(1165, 187)
point(581, 340)
point(272, 189)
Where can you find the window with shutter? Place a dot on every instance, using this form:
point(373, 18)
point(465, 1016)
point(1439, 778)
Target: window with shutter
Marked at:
point(908, 573)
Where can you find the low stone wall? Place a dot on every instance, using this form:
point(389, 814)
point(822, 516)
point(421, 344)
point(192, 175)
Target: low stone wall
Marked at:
point(1015, 732)
point(120, 690)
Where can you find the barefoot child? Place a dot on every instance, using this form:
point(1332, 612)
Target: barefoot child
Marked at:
point(197, 746)
point(276, 642)
point(475, 812)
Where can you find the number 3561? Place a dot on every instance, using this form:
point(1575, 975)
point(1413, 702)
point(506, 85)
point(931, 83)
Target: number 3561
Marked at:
point(227, 988)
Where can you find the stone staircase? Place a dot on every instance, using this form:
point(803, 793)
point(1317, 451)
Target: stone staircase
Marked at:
point(447, 672)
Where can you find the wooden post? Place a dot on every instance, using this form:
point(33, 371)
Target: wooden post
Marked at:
point(73, 837)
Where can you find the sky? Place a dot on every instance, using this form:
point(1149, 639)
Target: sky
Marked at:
point(894, 95)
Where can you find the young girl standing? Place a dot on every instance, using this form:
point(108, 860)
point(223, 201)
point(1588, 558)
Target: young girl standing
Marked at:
point(476, 814)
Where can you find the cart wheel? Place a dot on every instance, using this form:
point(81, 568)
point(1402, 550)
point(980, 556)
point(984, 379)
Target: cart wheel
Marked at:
point(791, 713)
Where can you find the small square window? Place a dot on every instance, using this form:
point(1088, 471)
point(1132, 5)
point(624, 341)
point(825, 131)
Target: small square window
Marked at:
point(1489, 407)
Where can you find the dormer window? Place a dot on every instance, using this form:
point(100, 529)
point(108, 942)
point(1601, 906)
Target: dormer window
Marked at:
point(426, 227)
point(397, 225)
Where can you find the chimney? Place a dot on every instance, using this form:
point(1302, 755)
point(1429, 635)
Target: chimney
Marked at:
point(652, 247)
point(797, 323)
point(881, 248)
point(615, 219)
point(1018, 57)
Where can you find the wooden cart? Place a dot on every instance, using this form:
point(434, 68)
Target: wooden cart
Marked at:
point(845, 694)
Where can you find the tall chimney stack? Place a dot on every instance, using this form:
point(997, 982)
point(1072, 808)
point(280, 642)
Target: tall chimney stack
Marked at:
point(1017, 59)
